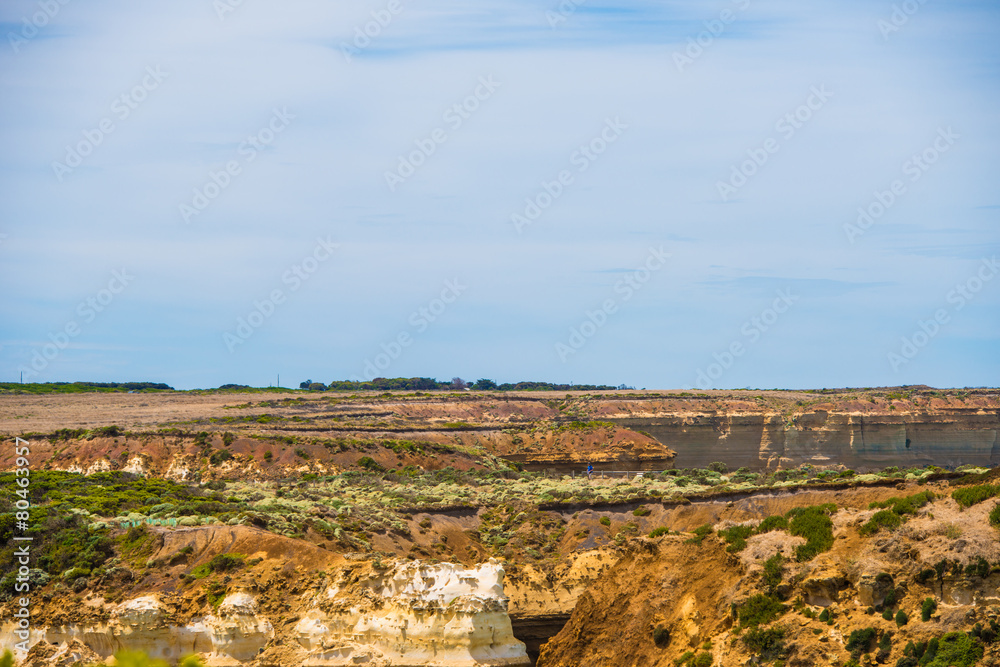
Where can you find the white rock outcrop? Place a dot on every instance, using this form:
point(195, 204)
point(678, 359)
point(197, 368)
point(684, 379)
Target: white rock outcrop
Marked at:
point(233, 637)
point(411, 614)
point(414, 615)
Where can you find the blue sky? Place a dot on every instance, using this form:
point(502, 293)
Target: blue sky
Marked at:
point(201, 192)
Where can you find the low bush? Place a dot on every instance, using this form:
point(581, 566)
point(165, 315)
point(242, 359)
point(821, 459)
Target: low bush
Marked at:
point(972, 495)
point(955, 649)
point(774, 567)
point(860, 641)
point(927, 607)
point(759, 610)
point(773, 522)
point(661, 530)
point(700, 533)
point(814, 524)
point(907, 505)
point(736, 537)
point(368, 463)
point(978, 568)
point(766, 644)
point(882, 519)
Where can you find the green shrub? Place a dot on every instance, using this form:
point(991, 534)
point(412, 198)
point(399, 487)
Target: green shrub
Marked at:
point(226, 562)
point(368, 463)
point(604, 521)
point(773, 522)
point(955, 649)
point(736, 537)
point(882, 519)
point(219, 456)
point(774, 567)
point(860, 641)
point(814, 524)
point(907, 505)
point(972, 495)
point(824, 616)
point(700, 533)
point(703, 660)
point(884, 648)
point(268, 455)
point(759, 610)
point(112, 431)
point(927, 607)
point(767, 644)
point(901, 618)
point(995, 516)
point(978, 568)
point(661, 636)
point(661, 530)
point(642, 511)
point(887, 614)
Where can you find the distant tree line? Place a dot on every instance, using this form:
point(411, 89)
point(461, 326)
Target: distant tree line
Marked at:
point(81, 387)
point(429, 384)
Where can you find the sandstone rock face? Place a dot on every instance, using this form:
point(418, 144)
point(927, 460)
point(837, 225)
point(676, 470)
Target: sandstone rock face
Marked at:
point(823, 589)
point(232, 637)
point(411, 615)
point(859, 441)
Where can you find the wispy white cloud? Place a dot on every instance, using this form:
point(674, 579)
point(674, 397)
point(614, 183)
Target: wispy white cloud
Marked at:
point(325, 174)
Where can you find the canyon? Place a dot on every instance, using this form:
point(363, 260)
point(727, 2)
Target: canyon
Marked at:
point(460, 529)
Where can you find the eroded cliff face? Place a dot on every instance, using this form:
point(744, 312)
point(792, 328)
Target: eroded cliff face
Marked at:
point(405, 614)
point(412, 614)
point(670, 599)
point(860, 441)
point(231, 636)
